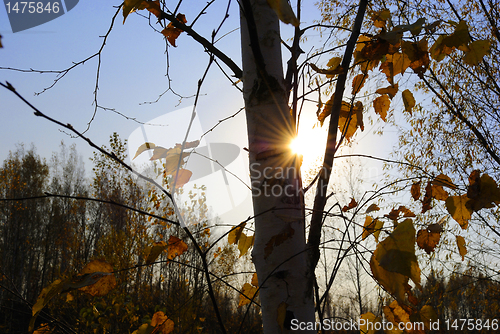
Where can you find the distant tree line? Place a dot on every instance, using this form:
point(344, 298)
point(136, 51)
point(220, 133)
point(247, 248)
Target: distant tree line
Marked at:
point(45, 237)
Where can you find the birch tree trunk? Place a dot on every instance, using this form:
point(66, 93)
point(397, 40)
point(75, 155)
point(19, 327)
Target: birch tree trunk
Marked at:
point(279, 251)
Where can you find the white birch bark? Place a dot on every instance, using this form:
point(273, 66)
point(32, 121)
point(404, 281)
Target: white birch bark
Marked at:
point(279, 252)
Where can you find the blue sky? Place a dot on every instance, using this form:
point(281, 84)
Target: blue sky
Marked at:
point(132, 72)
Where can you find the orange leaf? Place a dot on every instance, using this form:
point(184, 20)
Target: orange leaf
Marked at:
point(427, 201)
point(153, 7)
point(418, 55)
point(351, 205)
point(372, 207)
point(428, 240)
point(161, 322)
point(389, 90)
point(175, 247)
point(183, 176)
point(381, 105)
point(171, 32)
point(415, 191)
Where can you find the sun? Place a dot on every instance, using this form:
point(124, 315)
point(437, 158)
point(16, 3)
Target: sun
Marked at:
point(298, 145)
point(310, 142)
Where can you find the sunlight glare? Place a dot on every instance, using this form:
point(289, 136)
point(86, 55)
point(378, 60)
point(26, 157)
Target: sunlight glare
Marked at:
point(310, 142)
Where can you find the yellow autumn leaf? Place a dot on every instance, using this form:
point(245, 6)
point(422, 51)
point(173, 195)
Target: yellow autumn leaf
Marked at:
point(372, 226)
point(394, 64)
point(477, 50)
point(280, 318)
point(483, 192)
point(173, 159)
point(379, 18)
point(427, 315)
point(367, 323)
point(439, 193)
point(392, 282)
point(152, 252)
point(445, 45)
point(418, 54)
point(284, 11)
point(144, 147)
point(358, 82)
point(408, 100)
point(395, 314)
point(235, 234)
point(381, 105)
point(457, 208)
point(461, 246)
point(255, 280)
point(444, 180)
point(43, 329)
point(247, 294)
point(368, 227)
point(130, 6)
point(396, 253)
point(360, 44)
point(244, 243)
point(104, 284)
point(45, 296)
